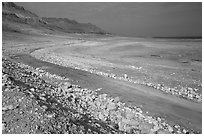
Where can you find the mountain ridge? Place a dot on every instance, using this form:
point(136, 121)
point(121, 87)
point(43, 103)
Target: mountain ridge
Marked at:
point(17, 17)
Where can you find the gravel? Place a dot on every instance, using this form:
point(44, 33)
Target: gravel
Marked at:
point(33, 105)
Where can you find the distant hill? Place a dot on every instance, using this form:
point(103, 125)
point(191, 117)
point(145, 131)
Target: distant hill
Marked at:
point(179, 37)
point(17, 19)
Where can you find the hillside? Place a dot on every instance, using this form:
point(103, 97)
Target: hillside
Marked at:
point(17, 19)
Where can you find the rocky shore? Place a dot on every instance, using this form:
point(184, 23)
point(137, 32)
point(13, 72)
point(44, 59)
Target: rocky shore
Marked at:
point(182, 92)
point(33, 103)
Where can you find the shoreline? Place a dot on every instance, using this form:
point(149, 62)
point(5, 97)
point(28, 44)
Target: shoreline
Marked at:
point(184, 92)
point(77, 80)
point(95, 81)
point(113, 105)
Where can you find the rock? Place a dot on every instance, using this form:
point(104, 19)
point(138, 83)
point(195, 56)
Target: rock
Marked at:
point(128, 128)
point(170, 129)
point(145, 128)
point(176, 126)
point(21, 112)
point(98, 103)
point(134, 122)
point(4, 108)
point(129, 113)
point(126, 121)
point(159, 119)
point(106, 113)
point(103, 96)
point(121, 126)
point(42, 98)
point(101, 116)
point(125, 76)
point(32, 96)
point(50, 115)
point(44, 107)
point(103, 105)
point(116, 99)
point(163, 132)
point(138, 109)
point(9, 107)
point(7, 89)
point(66, 85)
point(3, 126)
point(42, 94)
point(32, 89)
point(184, 131)
point(156, 128)
point(111, 106)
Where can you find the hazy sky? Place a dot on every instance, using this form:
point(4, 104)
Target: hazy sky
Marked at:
point(130, 19)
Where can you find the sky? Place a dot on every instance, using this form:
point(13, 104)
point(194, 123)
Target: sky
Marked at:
point(149, 19)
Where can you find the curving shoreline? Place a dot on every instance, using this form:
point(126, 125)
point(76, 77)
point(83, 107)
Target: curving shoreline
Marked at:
point(181, 115)
point(184, 92)
point(86, 102)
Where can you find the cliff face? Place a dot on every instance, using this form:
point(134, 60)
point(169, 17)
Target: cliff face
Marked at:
point(17, 19)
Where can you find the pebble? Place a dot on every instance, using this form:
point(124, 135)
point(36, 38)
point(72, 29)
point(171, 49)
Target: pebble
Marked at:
point(32, 96)
point(159, 119)
point(6, 90)
point(44, 107)
point(3, 126)
point(101, 117)
point(121, 126)
point(184, 131)
point(106, 113)
point(176, 126)
point(129, 113)
point(111, 106)
point(32, 89)
point(50, 115)
point(170, 129)
point(145, 128)
point(42, 98)
point(116, 99)
point(9, 107)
